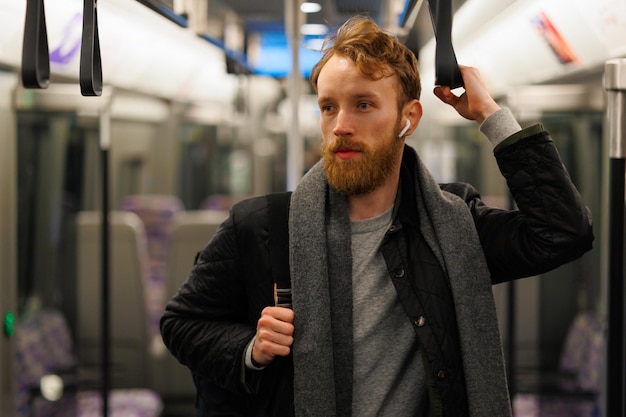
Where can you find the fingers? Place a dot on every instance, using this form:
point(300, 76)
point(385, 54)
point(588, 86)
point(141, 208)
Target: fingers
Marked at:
point(476, 102)
point(274, 336)
point(444, 94)
point(459, 103)
point(278, 313)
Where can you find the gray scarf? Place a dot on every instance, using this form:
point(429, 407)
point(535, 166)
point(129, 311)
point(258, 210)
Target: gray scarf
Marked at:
point(319, 248)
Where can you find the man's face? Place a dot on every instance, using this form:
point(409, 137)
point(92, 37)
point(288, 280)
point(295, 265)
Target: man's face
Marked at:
point(360, 124)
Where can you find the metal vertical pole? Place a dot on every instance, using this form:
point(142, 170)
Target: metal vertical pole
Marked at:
point(511, 358)
point(105, 144)
point(511, 324)
point(615, 85)
point(295, 144)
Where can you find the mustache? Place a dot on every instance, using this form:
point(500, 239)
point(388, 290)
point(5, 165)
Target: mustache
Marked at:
point(344, 143)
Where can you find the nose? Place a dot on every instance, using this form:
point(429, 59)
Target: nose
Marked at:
point(344, 125)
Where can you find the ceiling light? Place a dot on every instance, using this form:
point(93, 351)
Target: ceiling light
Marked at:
point(313, 29)
point(310, 7)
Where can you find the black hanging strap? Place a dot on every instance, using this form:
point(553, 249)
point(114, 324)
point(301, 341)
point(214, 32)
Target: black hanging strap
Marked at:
point(446, 67)
point(35, 54)
point(278, 211)
point(90, 61)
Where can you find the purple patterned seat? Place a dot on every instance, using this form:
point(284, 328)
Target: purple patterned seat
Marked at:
point(123, 403)
point(44, 346)
point(158, 213)
point(217, 202)
point(581, 363)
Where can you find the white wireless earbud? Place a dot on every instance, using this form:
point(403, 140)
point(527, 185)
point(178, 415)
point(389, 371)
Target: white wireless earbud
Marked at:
point(403, 131)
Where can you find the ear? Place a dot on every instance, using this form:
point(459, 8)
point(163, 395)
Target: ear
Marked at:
point(412, 112)
point(405, 128)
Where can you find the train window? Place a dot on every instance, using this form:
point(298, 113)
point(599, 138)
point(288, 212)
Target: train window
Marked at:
point(51, 150)
point(130, 176)
point(578, 135)
point(203, 164)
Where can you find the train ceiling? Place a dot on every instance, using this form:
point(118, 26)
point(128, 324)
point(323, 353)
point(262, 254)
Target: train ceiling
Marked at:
point(264, 27)
point(334, 12)
point(142, 51)
point(252, 33)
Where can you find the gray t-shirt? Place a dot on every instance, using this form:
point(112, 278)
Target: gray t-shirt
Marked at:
point(389, 377)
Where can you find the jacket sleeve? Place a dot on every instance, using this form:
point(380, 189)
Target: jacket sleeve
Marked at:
point(551, 225)
point(211, 319)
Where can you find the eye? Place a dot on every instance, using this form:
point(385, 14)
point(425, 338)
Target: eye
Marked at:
point(325, 108)
point(364, 106)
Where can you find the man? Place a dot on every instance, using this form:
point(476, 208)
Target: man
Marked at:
point(391, 273)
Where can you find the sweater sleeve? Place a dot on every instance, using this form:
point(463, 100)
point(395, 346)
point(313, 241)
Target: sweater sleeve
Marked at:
point(499, 126)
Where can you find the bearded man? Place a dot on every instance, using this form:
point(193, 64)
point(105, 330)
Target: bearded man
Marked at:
point(391, 272)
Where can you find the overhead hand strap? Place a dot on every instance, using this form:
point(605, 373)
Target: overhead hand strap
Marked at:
point(35, 54)
point(90, 61)
point(446, 67)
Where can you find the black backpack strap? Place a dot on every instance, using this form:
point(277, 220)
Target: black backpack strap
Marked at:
point(278, 210)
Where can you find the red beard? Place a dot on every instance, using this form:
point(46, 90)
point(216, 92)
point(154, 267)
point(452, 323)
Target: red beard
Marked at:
point(366, 171)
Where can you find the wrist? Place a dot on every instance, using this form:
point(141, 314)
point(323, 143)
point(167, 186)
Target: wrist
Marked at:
point(255, 364)
point(249, 360)
point(487, 111)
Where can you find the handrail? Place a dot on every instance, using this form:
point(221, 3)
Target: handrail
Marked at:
point(35, 53)
point(169, 14)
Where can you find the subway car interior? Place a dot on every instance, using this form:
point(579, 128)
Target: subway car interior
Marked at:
point(169, 111)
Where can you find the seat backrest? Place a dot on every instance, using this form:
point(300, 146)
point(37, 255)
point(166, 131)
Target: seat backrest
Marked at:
point(43, 344)
point(128, 268)
point(158, 213)
point(191, 231)
point(217, 202)
point(583, 351)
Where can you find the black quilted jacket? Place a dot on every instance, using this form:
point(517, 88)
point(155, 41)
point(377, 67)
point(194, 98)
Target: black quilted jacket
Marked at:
point(208, 324)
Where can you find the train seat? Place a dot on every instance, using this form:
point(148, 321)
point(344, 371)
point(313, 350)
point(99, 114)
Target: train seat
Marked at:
point(217, 202)
point(127, 273)
point(574, 391)
point(44, 346)
point(158, 213)
point(191, 231)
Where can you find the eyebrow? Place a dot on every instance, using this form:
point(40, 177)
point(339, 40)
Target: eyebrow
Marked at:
point(356, 97)
point(365, 96)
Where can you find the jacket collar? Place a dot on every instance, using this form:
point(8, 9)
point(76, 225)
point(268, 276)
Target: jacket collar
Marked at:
point(405, 208)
